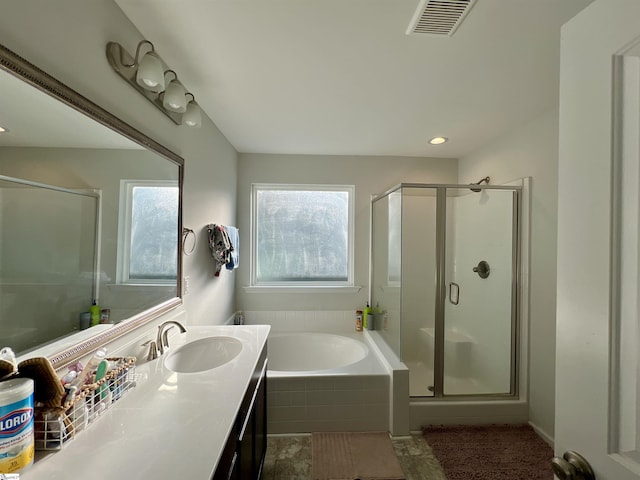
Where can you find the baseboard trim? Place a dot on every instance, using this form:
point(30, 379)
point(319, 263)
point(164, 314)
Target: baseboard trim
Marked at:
point(544, 435)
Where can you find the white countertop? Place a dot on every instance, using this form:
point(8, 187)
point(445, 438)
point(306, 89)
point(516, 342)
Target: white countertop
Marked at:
point(171, 426)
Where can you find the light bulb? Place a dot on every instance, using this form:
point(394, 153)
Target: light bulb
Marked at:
point(192, 117)
point(150, 74)
point(438, 140)
point(174, 97)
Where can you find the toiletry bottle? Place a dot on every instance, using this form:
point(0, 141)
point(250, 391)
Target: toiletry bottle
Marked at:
point(358, 320)
point(85, 320)
point(95, 313)
point(365, 316)
point(105, 315)
point(375, 317)
point(89, 368)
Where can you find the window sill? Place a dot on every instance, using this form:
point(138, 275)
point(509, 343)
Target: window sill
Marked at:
point(116, 286)
point(300, 289)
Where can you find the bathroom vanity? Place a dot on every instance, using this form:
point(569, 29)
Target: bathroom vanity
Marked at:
point(199, 425)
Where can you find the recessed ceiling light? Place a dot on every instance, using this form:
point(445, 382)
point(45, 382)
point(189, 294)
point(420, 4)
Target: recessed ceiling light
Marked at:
point(438, 140)
point(3, 130)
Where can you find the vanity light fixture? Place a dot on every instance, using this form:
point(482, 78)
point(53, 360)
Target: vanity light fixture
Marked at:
point(438, 140)
point(150, 76)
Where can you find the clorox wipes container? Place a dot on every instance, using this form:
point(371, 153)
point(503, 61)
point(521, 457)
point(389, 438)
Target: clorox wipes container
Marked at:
point(16, 425)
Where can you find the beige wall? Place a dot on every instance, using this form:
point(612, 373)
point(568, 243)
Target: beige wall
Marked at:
point(67, 38)
point(370, 175)
point(532, 151)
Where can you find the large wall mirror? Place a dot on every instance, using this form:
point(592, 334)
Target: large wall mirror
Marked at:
point(89, 210)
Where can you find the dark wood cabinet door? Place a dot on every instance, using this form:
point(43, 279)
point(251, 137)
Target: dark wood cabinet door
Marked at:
point(244, 453)
point(260, 428)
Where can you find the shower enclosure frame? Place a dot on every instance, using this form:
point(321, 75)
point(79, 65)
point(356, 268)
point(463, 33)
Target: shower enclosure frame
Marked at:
point(441, 287)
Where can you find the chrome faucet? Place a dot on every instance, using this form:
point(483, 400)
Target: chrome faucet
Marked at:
point(162, 341)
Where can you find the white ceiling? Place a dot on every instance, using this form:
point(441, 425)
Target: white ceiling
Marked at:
point(341, 76)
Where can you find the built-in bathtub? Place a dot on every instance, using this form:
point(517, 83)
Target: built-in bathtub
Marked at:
point(325, 382)
point(309, 352)
point(301, 401)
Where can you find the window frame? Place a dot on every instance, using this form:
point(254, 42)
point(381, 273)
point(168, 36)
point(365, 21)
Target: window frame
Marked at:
point(124, 232)
point(305, 284)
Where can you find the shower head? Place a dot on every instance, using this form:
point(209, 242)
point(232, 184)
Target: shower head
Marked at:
point(485, 179)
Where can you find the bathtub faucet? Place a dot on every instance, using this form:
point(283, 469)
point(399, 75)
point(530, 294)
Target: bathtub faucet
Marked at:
point(162, 341)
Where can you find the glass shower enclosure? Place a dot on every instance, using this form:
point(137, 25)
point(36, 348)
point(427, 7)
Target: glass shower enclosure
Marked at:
point(445, 272)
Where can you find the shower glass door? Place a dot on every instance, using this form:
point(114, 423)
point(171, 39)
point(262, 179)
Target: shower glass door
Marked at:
point(444, 272)
point(480, 272)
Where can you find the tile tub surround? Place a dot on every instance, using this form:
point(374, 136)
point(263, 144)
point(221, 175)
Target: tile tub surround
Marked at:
point(353, 398)
point(172, 425)
point(325, 403)
point(324, 321)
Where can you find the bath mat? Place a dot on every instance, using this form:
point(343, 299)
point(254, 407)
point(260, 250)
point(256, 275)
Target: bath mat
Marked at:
point(490, 452)
point(354, 456)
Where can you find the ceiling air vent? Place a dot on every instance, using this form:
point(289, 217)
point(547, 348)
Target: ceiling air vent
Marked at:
point(439, 17)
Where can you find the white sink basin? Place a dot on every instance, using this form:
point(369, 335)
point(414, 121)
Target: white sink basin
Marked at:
point(203, 354)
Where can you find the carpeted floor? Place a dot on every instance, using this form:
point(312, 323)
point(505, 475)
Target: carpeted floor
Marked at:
point(490, 452)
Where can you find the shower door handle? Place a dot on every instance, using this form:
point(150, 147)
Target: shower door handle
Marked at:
point(454, 293)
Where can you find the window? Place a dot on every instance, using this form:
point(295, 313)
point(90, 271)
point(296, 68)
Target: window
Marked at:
point(148, 232)
point(302, 235)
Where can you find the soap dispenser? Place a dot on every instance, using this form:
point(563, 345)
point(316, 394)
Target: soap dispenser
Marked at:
point(365, 316)
point(94, 309)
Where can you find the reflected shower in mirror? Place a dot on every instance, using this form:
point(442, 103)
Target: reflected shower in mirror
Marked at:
point(48, 256)
point(85, 213)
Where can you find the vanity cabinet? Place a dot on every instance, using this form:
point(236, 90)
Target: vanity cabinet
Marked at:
point(244, 452)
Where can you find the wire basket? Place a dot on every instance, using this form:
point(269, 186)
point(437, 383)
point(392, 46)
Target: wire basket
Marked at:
point(54, 427)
